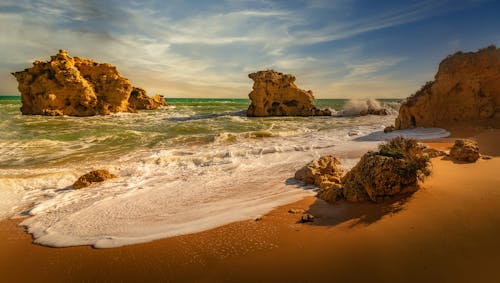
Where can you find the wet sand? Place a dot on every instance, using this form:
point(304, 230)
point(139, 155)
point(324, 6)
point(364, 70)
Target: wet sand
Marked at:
point(448, 231)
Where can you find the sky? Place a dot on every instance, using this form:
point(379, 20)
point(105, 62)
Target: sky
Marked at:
point(336, 48)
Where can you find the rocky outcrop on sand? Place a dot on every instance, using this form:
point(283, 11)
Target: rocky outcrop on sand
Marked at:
point(325, 173)
point(141, 101)
point(327, 168)
point(275, 94)
point(96, 176)
point(465, 150)
point(465, 92)
point(73, 86)
point(393, 170)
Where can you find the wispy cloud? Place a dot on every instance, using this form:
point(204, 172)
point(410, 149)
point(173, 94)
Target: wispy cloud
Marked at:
point(206, 49)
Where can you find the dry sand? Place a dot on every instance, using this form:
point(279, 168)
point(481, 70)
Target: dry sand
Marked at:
point(449, 231)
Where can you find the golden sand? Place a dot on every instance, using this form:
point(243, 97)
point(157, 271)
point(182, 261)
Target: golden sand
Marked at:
point(449, 231)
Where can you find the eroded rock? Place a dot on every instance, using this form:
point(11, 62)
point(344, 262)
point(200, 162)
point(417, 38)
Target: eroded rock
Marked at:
point(275, 94)
point(465, 150)
point(325, 173)
point(393, 170)
point(73, 86)
point(325, 169)
point(141, 101)
point(465, 92)
point(95, 176)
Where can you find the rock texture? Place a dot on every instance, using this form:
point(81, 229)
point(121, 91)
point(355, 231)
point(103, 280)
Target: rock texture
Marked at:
point(325, 173)
point(316, 172)
point(141, 101)
point(96, 176)
point(433, 153)
point(73, 86)
point(465, 92)
point(394, 170)
point(374, 178)
point(275, 94)
point(465, 150)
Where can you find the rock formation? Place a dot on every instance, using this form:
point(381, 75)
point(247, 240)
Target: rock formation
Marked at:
point(73, 86)
point(325, 173)
point(465, 92)
point(141, 101)
point(465, 150)
point(316, 172)
point(275, 94)
point(96, 176)
point(394, 170)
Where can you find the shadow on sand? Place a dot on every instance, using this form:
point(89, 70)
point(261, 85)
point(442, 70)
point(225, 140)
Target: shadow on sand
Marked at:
point(353, 214)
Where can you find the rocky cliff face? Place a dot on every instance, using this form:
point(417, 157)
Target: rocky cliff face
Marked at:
point(275, 94)
point(73, 86)
point(465, 92)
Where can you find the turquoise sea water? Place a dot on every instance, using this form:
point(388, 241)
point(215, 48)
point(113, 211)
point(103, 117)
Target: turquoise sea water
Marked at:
point(37, 140)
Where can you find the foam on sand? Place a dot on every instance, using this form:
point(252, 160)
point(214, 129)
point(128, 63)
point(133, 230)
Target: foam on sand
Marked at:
point(174, 177)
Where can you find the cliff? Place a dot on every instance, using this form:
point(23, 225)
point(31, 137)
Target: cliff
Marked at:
point(275, 94)
point(465, 92)
point(73, 86)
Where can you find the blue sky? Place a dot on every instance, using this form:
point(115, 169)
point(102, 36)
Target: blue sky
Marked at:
point(337, 48)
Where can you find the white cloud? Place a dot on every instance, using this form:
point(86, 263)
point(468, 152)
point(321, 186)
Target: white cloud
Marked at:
point(204, 53)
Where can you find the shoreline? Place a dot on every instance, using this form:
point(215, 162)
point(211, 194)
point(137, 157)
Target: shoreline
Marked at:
point(444, 232)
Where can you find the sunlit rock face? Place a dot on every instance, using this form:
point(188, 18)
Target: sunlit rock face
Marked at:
point(73, 86)
point(275, 94)
point(141, 101)
point(465, 92)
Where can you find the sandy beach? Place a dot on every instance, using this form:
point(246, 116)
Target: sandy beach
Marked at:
point(445, 232)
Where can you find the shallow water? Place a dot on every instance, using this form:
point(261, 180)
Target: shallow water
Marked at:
point(198, 164)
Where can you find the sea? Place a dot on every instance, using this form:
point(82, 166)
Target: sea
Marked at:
point(192, 166)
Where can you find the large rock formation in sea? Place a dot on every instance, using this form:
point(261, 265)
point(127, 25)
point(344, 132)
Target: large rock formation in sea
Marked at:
point(465, 92)
point(275, 94)
point(74, 86)
point(140, 100)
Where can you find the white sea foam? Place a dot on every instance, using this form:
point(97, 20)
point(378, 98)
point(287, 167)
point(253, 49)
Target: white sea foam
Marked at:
point(182, 188)
point(354, 107)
